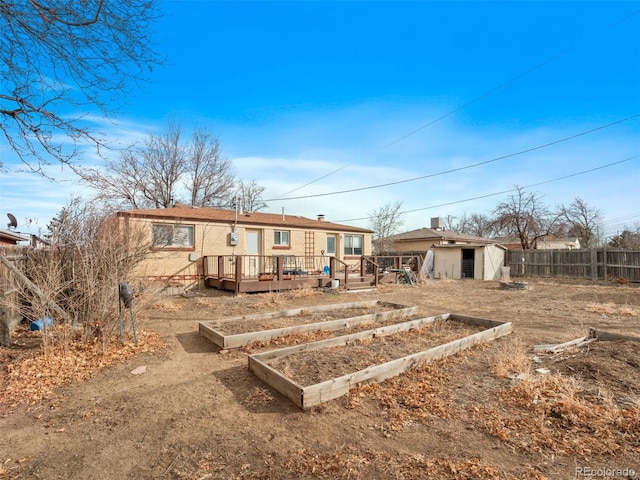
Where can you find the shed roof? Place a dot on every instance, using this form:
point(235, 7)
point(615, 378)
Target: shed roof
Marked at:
point(474, 245)
point(433, 234)
point(205, 214)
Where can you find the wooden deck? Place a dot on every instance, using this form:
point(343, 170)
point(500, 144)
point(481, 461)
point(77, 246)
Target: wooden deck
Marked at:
point(255, 273)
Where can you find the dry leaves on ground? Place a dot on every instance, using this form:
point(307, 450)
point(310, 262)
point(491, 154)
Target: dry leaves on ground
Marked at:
point(33, 378)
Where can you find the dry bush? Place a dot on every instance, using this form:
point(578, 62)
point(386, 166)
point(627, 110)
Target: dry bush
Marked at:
point(511, 359)
point(76, 278)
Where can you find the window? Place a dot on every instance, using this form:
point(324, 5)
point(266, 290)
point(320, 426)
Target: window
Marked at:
point(353, 244)
point(331, 245)
point(172, 236)
point(281, 238)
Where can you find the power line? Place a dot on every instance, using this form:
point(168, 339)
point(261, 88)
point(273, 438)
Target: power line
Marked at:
point(466, 167)
point(457, 109)
point(504, 191)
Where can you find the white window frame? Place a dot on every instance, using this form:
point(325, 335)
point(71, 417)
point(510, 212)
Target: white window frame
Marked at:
point(349, 249)
point(178, 236)
point(279, 240)
point(331, 251)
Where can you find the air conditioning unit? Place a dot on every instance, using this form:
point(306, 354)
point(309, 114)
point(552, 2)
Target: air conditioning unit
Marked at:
point(234, 239)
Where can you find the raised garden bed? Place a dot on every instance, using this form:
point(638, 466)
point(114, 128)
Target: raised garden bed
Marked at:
point(299, 372)
point(239, 331)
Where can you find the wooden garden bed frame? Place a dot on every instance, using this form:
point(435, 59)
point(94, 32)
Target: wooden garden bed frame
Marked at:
point(310, 395)
point(208, 330)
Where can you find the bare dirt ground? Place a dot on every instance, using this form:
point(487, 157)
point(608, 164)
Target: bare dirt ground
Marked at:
point(198, 413)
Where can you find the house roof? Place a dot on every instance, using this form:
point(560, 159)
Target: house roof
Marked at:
point(7, 236)
point(204, 214)
point(433, 234)
point(475, 245)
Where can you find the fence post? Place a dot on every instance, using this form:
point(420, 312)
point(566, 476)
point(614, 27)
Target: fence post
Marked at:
point(594, 265)
point(220, 267)
point(279, 267)
point(239, 266)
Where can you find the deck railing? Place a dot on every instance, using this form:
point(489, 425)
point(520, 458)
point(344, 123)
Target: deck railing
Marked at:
point(256, 267)
point(387, 263)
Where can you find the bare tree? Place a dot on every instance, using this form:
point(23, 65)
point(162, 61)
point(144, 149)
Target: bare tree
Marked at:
point(166, 170)
point(583, 221)
point(524, 216)
point(477, 224)
point(250, 196)
point(628, 238)
point(61, 60)
point(210, 175)
point(385, 222)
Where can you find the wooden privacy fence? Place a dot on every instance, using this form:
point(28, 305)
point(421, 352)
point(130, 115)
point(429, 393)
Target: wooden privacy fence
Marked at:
point(594, 264)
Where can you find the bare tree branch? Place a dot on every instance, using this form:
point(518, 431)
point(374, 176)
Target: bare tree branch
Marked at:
point(210, 177)
point(584, 221)
point(250, 194)
point(62, 59)
point(385, 222)
point(524, 216)
point(166, 170)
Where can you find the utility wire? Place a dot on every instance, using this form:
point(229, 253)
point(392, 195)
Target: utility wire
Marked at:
point(466, 167)
point(502, 192)
point(457, 109)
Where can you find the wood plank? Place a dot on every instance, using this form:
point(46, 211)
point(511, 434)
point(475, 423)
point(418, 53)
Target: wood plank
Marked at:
point(555, 348)
point(346, 339)
point(336, 387)
point(611, 336)
point(207, 329)
point(211, 335)
point(475, 321)
point(276, 380)
point(241, 339)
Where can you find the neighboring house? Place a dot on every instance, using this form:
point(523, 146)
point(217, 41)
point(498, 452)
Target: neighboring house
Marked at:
point(542, 243)
point(453, 255)
point(556, 243)
point(182, 235)
point(7, 237)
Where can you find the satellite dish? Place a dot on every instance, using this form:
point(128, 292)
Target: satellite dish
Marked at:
point(13, 223)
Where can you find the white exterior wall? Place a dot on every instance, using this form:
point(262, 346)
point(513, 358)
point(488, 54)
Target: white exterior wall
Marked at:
point(488, 262)
point(493, 262)
point(447, 263)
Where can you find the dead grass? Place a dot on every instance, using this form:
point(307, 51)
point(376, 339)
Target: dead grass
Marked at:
point(612, 309)
point(553, 413)
point(350, 462)
point(511, 359)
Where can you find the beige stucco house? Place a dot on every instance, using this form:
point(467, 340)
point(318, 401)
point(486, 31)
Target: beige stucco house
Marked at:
point(181, 236)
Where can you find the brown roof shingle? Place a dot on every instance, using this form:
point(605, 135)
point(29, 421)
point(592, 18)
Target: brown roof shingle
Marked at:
point(205, 214)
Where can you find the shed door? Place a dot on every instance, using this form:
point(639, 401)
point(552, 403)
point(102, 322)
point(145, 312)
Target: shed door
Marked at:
point(468, 262)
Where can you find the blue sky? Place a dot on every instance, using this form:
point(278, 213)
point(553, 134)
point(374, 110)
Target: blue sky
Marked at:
point(370, 93)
